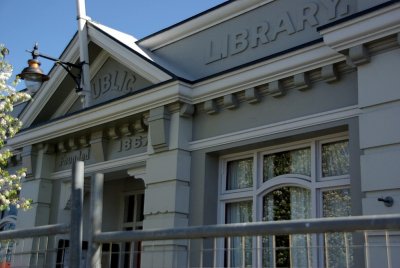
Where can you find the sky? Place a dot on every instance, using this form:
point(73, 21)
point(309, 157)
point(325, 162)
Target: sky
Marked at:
point(52, 23)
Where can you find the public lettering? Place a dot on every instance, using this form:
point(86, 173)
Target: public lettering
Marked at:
point(113, 81)
point(270, 29)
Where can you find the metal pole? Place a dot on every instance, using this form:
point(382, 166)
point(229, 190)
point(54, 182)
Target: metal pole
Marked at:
point(83, 50)
point(76, 213)
point(96, 214)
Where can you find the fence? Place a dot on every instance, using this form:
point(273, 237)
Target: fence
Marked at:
point(361, 241)
point(34, 247)
point(364, 241)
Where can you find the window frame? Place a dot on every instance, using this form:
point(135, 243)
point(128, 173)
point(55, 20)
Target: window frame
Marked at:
point(315, 183)
point(134, 225)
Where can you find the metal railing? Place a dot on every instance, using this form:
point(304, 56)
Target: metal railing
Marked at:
point(362, 241)
point(33, 247)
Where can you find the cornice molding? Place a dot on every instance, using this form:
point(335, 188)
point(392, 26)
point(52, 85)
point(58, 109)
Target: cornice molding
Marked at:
point(284, 126)
point(363, 29)
point(130, 105)
point(290, 64)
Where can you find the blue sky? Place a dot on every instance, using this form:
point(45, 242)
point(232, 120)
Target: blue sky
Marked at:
point(52, 23)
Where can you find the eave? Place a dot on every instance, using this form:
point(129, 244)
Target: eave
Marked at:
point(145, 100)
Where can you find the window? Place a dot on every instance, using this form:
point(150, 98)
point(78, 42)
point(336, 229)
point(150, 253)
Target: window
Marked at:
point(133, 220)
point(308, 179)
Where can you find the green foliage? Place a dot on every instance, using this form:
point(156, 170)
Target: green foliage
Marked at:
point(10, 183)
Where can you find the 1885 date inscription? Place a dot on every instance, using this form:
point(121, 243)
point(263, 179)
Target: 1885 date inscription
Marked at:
point(130, 143)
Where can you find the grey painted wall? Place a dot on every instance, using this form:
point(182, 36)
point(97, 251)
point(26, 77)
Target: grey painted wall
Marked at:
point(320, 98)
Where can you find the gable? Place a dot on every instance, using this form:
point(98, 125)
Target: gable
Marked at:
point(117, 68)
point(113, 80)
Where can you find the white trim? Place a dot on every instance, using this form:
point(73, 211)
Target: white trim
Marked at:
point(291, 180)
point(66, 105)
point(137, 172)
point(96, 65)
point(195, 25)
point(363, 29)
point(284, 126)
point(128, 58)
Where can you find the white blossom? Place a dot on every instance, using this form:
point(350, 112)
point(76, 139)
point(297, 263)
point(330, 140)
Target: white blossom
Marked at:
point(10, 184)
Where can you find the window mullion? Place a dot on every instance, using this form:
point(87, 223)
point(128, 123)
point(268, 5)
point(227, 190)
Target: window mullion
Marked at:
point(314, 174)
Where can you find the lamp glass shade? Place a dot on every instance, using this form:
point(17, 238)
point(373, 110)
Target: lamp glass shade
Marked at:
point(32, 85)
point(33, 75)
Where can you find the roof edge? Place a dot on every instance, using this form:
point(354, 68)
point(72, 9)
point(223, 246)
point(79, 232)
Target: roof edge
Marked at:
point(199, 22)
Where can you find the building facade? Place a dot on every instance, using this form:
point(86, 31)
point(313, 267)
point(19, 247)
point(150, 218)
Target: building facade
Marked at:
point(251, 111)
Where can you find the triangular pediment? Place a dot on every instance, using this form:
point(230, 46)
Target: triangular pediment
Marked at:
point(117, 67)
point(114, 80)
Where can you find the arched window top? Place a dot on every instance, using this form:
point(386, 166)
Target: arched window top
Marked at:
point(296, 161)
point(292, 180)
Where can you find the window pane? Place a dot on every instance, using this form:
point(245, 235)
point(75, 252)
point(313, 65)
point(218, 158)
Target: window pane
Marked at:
point(129, 208)
point(140, 208)
point(335, 158)
point(336, 203)
point(289, 162)
point(239, 212)
point(240, 174)
point(286, 203)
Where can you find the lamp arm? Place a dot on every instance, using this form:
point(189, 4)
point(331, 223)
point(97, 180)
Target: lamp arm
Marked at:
point(67, 66)
point(35, 53)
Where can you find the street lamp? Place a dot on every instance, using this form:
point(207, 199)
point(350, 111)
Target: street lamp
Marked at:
point(34, 76)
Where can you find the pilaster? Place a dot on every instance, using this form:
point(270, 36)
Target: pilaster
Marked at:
point(379, 100)
point(37, 186)
point(167, 182)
